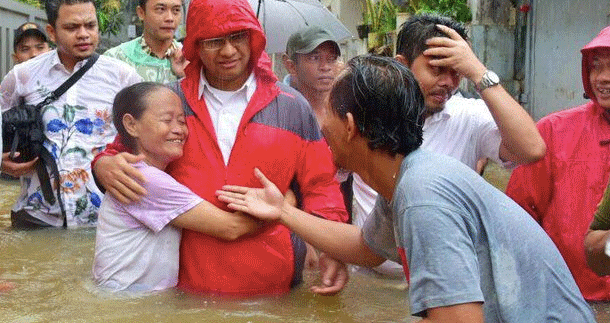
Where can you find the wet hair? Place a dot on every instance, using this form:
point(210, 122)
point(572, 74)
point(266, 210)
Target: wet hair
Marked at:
point(385, 100)
point(132, 100)
point(52, 8)
point(411, 40)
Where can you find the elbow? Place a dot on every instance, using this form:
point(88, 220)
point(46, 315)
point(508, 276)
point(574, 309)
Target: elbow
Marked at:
point(537, 152)
point(533, 153)
point(230, 234)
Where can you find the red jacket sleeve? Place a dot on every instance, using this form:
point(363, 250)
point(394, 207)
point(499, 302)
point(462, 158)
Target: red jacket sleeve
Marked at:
point(319, 188)
point(531, 185)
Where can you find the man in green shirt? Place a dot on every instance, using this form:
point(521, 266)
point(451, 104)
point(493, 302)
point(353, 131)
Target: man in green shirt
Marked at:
point(156, 55)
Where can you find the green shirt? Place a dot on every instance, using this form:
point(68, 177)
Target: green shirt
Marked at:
point(151, 68)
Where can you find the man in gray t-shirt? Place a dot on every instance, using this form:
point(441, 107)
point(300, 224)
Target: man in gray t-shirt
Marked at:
point(465, 241)
point(471, 254)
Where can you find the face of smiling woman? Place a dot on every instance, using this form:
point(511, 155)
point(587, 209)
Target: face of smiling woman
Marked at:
point(161, 130)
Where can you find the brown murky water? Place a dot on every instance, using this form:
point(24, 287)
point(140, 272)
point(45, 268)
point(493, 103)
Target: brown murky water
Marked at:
point(51, 273)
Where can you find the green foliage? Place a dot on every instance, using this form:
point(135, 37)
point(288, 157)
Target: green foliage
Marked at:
point(109, 14)
point(380, 15)
point(456, 9)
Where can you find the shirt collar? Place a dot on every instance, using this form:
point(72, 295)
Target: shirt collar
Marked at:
point(168, 52)
point(57, 64)
point(249, 86)
point(448, 110)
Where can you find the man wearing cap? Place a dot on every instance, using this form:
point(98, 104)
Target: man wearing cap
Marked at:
point(312, 58)
point(29, 41)
point(156, 55)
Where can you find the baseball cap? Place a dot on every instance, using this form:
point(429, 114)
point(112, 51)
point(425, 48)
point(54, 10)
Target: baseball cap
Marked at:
point(307, 39)
point(28, 29)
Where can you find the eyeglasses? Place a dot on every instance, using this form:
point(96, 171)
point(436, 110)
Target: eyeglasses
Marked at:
point(236, 39)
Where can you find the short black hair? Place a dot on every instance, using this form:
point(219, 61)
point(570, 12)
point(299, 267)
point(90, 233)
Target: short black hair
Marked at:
point(411, 40)
point(385, 100)
point(52, 8)
point(132, 100)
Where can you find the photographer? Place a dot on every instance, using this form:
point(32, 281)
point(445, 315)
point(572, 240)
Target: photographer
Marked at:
point(77, 124)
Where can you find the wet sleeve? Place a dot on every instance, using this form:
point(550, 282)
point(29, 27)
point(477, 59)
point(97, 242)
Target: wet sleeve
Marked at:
point(442, 259)
point(9, 96)
point(166, 200)
point(378, 231)
point(319, 187)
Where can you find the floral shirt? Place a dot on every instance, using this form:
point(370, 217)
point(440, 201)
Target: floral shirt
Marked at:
point(78, 125)
point(137, 54)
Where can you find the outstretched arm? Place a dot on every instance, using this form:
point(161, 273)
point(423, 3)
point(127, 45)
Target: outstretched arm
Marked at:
point(340, 241)
point(521, 142)
point(211, 220)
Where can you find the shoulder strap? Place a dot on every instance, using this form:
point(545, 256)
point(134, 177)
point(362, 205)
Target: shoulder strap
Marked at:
point(70, 81)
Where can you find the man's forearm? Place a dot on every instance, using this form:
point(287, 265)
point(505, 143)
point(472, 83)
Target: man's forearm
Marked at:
point(521, 141)
point(341, 241)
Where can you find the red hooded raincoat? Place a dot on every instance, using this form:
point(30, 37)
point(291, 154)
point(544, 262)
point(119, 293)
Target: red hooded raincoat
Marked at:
point(562, 190)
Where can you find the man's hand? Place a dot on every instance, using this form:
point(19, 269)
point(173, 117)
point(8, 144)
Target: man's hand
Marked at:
point(333, 274)
point(455, 53)
point(118, 176)
point(17, 169)
point(264, 203)
point(179, 63)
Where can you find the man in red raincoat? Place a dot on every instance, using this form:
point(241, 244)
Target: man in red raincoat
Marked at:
point(240, 117)
point(561, 191)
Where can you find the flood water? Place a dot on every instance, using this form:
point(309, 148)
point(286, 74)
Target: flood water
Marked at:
point(51, 273)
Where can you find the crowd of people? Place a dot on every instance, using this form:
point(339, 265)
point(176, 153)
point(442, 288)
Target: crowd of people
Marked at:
point(201, 170)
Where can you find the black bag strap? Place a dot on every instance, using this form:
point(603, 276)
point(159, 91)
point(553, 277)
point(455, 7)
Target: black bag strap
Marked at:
point(69, 82)
point(46, 159)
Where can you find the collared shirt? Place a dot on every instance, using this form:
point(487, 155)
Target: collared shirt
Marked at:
point(168, 53)
point(151, 68)
point(78, 125)
point(465, 130)
point(226, 109)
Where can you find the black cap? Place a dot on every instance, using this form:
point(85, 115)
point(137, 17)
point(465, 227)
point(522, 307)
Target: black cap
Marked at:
point(28, 29)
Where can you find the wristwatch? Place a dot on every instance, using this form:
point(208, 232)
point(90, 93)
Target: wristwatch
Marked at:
point(489, 79)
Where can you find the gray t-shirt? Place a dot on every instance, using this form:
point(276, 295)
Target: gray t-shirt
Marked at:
point(461, 240)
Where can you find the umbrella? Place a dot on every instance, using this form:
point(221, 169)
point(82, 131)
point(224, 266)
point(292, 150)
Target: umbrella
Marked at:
point(281, 18)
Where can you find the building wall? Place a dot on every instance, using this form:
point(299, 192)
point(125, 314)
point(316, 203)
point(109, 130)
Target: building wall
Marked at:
point(534, 46)
point(557, 29)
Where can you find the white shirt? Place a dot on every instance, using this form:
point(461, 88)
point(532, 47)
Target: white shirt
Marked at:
point(78, 125)
point(226, 109)
point(136, 248)
point(464, 129)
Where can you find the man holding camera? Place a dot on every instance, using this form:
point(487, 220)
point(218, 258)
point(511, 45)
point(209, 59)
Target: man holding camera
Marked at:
point(77, 124)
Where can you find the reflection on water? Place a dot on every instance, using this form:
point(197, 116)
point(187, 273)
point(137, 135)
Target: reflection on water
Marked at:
point(51, 270)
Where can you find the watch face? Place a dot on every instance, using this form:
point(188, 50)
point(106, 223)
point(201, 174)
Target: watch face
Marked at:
point(493, 77)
